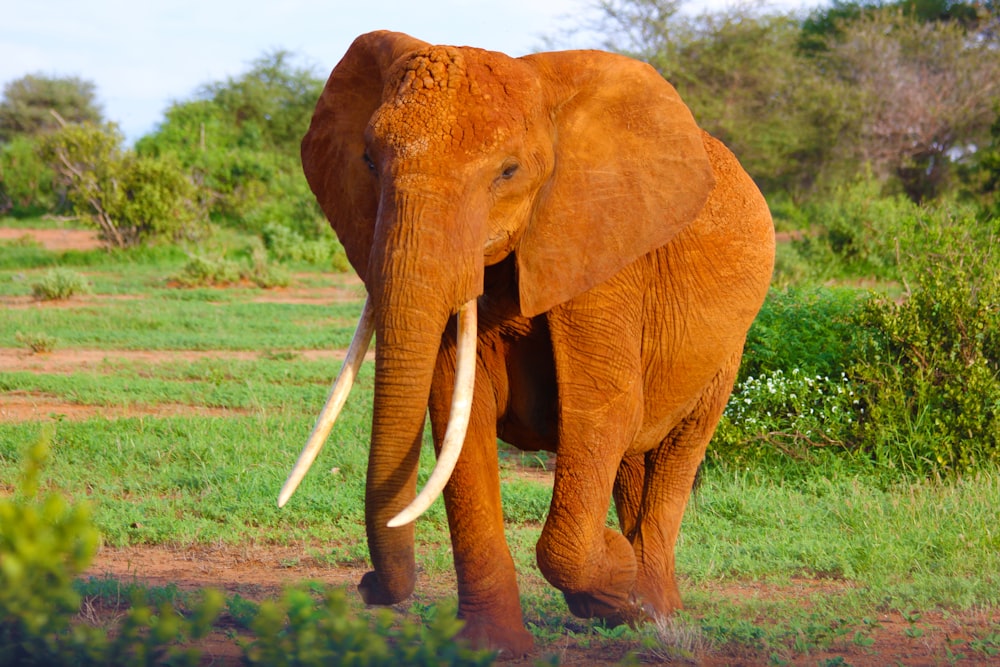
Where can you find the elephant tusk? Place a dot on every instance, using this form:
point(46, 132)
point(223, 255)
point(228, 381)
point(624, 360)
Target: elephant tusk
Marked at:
point(458, 422)
point(334, 402)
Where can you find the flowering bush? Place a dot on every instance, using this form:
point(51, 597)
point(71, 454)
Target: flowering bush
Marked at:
point(787, 414)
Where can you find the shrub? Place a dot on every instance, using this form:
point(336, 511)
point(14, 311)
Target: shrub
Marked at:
point(46, 543)
point(26, 181)
point(809, 329)
point(929, 372)
point(38, 343)
point(787, 414)
point(205, 271)
point(59, 283)
point(131, 199)
point(286, 244)
point(298, 630)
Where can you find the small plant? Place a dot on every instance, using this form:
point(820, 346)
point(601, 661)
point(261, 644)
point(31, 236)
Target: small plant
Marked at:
point(38, 343)
point(299, 630)
point(59, 283)
point(205, 271)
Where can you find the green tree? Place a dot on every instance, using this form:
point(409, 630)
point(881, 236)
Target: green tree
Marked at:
point(28, 102)
point(239, 139)
point(129, 198)
point(26, 180)
point(927, 90)
point(742, 76)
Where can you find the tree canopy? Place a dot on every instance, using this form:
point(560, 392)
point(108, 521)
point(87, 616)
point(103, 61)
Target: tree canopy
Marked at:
point(28, 102)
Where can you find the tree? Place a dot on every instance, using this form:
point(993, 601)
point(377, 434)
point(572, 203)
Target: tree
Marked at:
point(131, 199)
point(742, 76)
point(25, 108)
point(928, 90)
point(239, 140)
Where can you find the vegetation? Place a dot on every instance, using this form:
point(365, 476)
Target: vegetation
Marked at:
point(867, 407)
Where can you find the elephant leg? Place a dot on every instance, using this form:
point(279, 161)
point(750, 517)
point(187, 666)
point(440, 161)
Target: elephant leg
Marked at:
point(656, 496)
point(488, 598)
point(598, 371)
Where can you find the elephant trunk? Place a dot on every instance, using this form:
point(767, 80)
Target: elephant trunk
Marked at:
point(421, 279)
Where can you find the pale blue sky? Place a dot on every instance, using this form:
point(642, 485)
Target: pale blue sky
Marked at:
point(143, 54)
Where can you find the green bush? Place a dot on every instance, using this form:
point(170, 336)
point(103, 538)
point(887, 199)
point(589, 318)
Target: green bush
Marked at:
point(793, 414)
point(204, 271)
point(44, 545)
point(298, 630)
point(286, 244)
point(809, 329)
point(26, 180)
point(929, 371)
point(38, 343)
point(131, 199)
point(59, 283)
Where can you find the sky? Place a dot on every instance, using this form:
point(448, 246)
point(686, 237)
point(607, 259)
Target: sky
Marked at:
point(144, 54)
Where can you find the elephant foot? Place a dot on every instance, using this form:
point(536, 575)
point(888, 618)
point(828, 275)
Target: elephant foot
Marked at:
point(508, 640)
point(374, 592)
point(613, 610)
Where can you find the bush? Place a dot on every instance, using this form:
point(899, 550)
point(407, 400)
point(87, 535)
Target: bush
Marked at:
point(204, 271)
point(26, 181)
point(298, 630)
point(809, 329)
point(44, 545)
point(286, 244)
point(131, 199)
point(788, 414)
point(929, 371)
point(59, 283)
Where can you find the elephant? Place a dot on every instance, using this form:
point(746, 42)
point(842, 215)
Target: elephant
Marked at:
point(555, 256)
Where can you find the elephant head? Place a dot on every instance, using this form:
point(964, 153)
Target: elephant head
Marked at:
point(433, 163)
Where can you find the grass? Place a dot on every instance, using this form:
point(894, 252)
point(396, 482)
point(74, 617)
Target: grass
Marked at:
point(873, 546)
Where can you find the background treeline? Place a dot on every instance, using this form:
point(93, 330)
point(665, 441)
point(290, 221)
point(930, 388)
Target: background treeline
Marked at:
point(904, 91)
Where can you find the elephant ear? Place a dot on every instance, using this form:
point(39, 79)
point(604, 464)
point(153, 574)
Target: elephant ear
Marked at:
point(333, 148)
point(630, 173)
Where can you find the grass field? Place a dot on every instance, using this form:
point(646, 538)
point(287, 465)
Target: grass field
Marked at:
point(176, 413)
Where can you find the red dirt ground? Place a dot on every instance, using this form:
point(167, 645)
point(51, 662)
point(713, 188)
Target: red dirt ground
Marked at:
point(260, 571)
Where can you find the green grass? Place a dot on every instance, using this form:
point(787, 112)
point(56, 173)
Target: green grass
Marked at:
point(929, 546)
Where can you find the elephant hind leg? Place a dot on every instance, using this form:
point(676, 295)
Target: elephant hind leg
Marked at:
point(651, 494)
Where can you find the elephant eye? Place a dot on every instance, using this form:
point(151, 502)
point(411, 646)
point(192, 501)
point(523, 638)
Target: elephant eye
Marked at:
point(369, 162)
point(509, 171)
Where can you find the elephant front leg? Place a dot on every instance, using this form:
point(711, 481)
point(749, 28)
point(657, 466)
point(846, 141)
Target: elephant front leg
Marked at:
point(488, 598)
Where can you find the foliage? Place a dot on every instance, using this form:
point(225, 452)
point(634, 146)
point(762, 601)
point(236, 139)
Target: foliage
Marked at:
point(285, 244)
point(981, 176)
point(239, 140)
point(28, 103)
point(130, 199)
point(810, 329)
point(38, 343)
point(929, 371)
point(59, 283)
point(26, 181)
point(296, 630)
point(928, 91)
point(792, 414)
point(46, 543)
point(203, 271)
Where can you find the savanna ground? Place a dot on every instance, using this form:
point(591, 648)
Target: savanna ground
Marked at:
point(179, 517)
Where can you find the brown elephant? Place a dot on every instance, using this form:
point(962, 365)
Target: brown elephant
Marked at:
point(604, 258)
